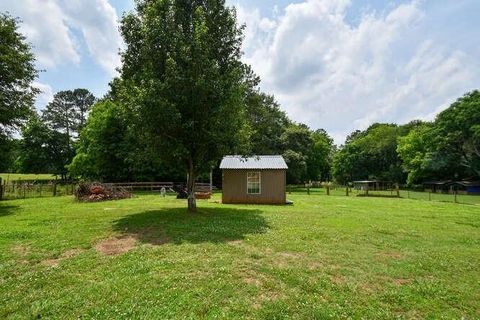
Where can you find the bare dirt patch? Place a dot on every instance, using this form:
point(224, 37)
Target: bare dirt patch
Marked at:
point(392, 255)
point(122, 244)
point(401, 282)
point(313, 265)
point(21, 250)
point(235, 243)
point(337, 279)
point(116, 245)
point(253, 281)
point(292, 255)
point(66, 255)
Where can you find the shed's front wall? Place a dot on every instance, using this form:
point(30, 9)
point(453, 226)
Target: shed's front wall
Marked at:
point(272, 182)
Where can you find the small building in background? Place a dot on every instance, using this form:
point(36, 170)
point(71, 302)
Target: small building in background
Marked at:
point(466, 187)
point(461, 187)
point(373, 185)
point(437, 186)
point(255, 180)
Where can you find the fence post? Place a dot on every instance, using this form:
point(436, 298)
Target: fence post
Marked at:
point(1, 189)
point(455, 194)
point(55, 187)
point(397, 188)
point(328, 189)
point(346, 191)
point(211, 181)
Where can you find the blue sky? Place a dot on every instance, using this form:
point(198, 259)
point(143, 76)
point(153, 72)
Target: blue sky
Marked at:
point(334, 64)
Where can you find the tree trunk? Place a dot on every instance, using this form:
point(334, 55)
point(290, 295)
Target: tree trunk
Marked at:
point(192, 203)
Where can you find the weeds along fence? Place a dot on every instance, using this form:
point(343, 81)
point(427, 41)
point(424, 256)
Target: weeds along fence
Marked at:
point(341, 191)
point(22, 189)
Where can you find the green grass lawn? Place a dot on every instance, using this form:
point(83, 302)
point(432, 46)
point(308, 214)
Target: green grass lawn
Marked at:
point(325, 257)
point(25, 176)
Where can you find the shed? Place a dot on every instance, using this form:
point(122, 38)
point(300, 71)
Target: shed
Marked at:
point(257, 179)
point(465, 187)
point(437, 186)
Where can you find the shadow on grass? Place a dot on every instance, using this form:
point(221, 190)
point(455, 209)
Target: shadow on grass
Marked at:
point(174, 225)
point(7, 210)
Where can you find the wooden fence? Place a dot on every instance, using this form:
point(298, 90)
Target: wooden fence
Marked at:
point(157, 186)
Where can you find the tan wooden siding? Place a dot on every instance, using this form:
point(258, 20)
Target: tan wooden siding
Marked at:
point(234, 188)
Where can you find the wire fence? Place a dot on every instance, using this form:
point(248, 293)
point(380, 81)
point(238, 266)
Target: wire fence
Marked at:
point(36, 189)
point(22, 190)
point(344, 191)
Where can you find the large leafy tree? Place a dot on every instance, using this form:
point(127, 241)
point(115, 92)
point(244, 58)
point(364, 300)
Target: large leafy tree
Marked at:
point(297, 143)
point(419, 158)
point(113, 148)
point(101, 150)
point(17, 72)
point(8, 152)
point(184, 76)
point(266, 120)
point(43, 150)
point(457, 134)
point(268, 123)
point(371, 154)
point(448, 148)
point(320, 156)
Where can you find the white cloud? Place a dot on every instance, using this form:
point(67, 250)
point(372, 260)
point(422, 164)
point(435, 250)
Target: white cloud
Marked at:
point(328, 73)
point(43, 23)
point(57, 28)
point(45, 96)
point(98, 23)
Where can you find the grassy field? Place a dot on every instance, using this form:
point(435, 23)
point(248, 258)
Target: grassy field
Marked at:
point(324, 258)
point(24, 176)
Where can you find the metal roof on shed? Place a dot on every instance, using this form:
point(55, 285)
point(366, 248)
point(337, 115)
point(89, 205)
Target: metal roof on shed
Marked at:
point(255, 162)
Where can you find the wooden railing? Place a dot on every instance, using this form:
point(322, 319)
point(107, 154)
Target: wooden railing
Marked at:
point(143, 186)
point(157, 186)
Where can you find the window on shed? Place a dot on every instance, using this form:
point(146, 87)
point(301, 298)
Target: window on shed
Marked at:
point(253, 182)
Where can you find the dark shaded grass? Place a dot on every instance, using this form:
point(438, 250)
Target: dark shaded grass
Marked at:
point(214, 225)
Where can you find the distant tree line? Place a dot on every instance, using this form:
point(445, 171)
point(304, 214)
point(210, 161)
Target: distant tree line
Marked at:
point(447, 148)
point(184, 99)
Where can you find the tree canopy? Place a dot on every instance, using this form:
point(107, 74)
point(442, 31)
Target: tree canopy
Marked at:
point(182, 69)
point(42, 149)
point(17, 72)
point(371, 154)
point(448, 148)
point(68, 111)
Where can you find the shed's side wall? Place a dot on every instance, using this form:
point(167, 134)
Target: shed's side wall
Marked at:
point(234, 188)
